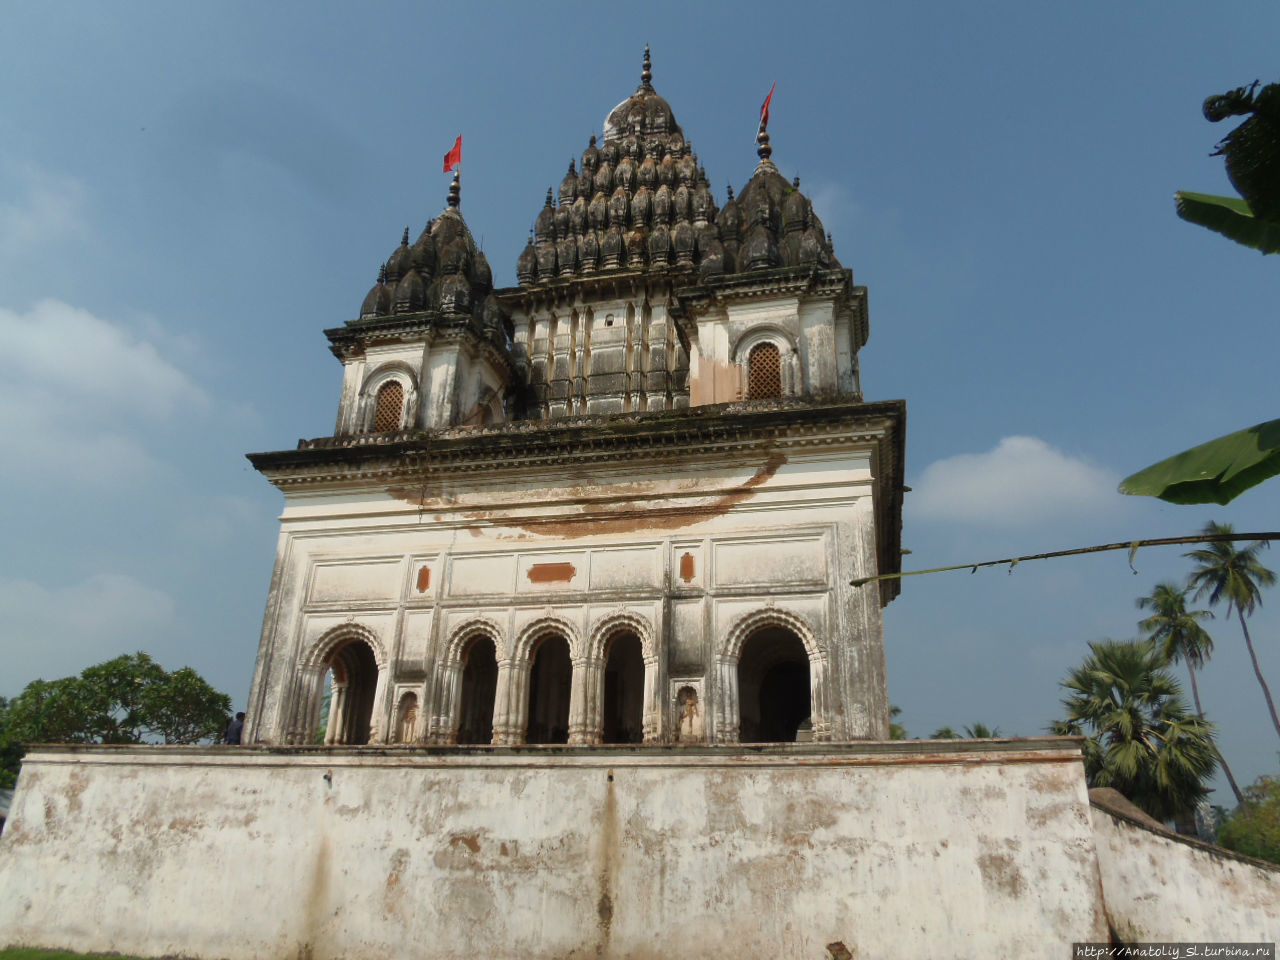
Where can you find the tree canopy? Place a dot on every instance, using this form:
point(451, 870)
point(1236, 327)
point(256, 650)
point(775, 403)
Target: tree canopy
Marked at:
point(131, 699)
point(1139, 736)
point(1254, 829)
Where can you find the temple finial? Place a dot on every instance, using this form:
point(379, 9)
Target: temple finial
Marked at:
point(382, 273)
point(404, 241)
point(729, 188)
point(763, 150)
point(455, 190)
point(646, 72)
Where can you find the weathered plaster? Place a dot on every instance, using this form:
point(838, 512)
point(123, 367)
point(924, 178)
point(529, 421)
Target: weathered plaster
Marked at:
point(1163, 887)
point(896, 850)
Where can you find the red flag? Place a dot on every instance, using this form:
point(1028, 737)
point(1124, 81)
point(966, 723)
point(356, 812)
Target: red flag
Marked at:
point(454, 156)
point(764, 108)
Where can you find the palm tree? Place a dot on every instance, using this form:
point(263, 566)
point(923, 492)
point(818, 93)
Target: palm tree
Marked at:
point(1140, 739)
point(1236, 576)
point(1177, 633)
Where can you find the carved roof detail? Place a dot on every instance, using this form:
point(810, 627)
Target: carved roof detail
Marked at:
point(641, 202)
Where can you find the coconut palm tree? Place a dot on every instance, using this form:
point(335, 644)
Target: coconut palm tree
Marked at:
point(1177, 633)
point(1236, 576)
point(1140, 738)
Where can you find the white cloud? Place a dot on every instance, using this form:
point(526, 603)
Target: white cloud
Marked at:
point(74, 357)
point(1021, 482)
point(76, 392)
point(46, 211)
point(58, 631)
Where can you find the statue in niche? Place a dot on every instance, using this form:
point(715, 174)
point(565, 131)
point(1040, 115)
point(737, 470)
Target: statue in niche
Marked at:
point(408, 731)
point(689, 715)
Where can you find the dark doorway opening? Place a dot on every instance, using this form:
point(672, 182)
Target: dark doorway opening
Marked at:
point(773, 686)
point(355, 681)
point(479, 688)
point(623, 707)
point(550, 680)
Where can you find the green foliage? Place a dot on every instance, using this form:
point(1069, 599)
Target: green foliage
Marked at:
point(1222, 469)
point(1236, 577)
point(896, 730)
point(1139, 736)
point(1214, 472)
point(977, 731)
point(1231, 217)
point(980, 731)
point(131, 699)
point(1175, 629)
point(1254, 829)
point(1229, 574)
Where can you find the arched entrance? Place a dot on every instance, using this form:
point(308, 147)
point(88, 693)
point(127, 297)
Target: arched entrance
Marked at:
point(774, 695)
point(355, 683)
point(479, 688)
point(622, 711)
point(550, 682)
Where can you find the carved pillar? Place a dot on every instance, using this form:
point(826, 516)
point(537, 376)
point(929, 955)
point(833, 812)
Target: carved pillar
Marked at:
point(586, 701)
point(727, 716)
point(539, 363)
point(335, 732)
point(446, 715)
point(654, 702)
point(511, 703)
point(378, 719)
point(300, 724)
point(819, 713)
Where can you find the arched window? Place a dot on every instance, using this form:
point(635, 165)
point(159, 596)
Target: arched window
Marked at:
point(622, 712)
point(550, 681)
point(355, 681)
point(764, 372)
point(389, 411)
point(774, 694)
point(479, 689)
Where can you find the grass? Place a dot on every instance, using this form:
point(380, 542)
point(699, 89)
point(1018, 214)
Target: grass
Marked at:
point(30, 953)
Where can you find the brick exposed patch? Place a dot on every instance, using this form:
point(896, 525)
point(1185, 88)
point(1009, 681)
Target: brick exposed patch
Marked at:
point(424, 579)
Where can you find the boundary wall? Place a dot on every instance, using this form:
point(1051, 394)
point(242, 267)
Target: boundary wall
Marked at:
point(899, 849)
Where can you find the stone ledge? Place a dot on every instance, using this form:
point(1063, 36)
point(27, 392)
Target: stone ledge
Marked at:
point(861, 753)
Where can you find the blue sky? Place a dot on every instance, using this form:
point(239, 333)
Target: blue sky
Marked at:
point(190, 194)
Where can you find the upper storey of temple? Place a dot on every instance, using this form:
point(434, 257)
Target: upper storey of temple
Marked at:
point(641, 202)
point(636, 292)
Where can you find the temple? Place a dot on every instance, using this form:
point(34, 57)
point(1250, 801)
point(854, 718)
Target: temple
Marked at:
point(621, 506)
point(620, 502)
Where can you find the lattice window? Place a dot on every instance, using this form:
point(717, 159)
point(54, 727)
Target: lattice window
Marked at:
point(390, 409)
point(764, 372)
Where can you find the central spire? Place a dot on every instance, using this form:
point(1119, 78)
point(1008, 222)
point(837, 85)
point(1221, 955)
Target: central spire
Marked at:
point(646, 71)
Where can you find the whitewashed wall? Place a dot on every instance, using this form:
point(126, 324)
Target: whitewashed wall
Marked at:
point(1162, 887)
point(896, 850)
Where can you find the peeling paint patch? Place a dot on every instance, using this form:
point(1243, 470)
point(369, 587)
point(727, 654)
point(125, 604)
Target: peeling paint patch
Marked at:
point(551, 572)
point(686, 567)
point(1000, 872)
point(621, 517)
point(470, 841)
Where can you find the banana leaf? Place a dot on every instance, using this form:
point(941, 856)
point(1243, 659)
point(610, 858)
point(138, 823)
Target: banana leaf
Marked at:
point(1214, 472)
point(1231, 217)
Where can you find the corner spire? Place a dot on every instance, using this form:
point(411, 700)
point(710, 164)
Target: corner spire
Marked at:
point(455, 190)
point(646, 71)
